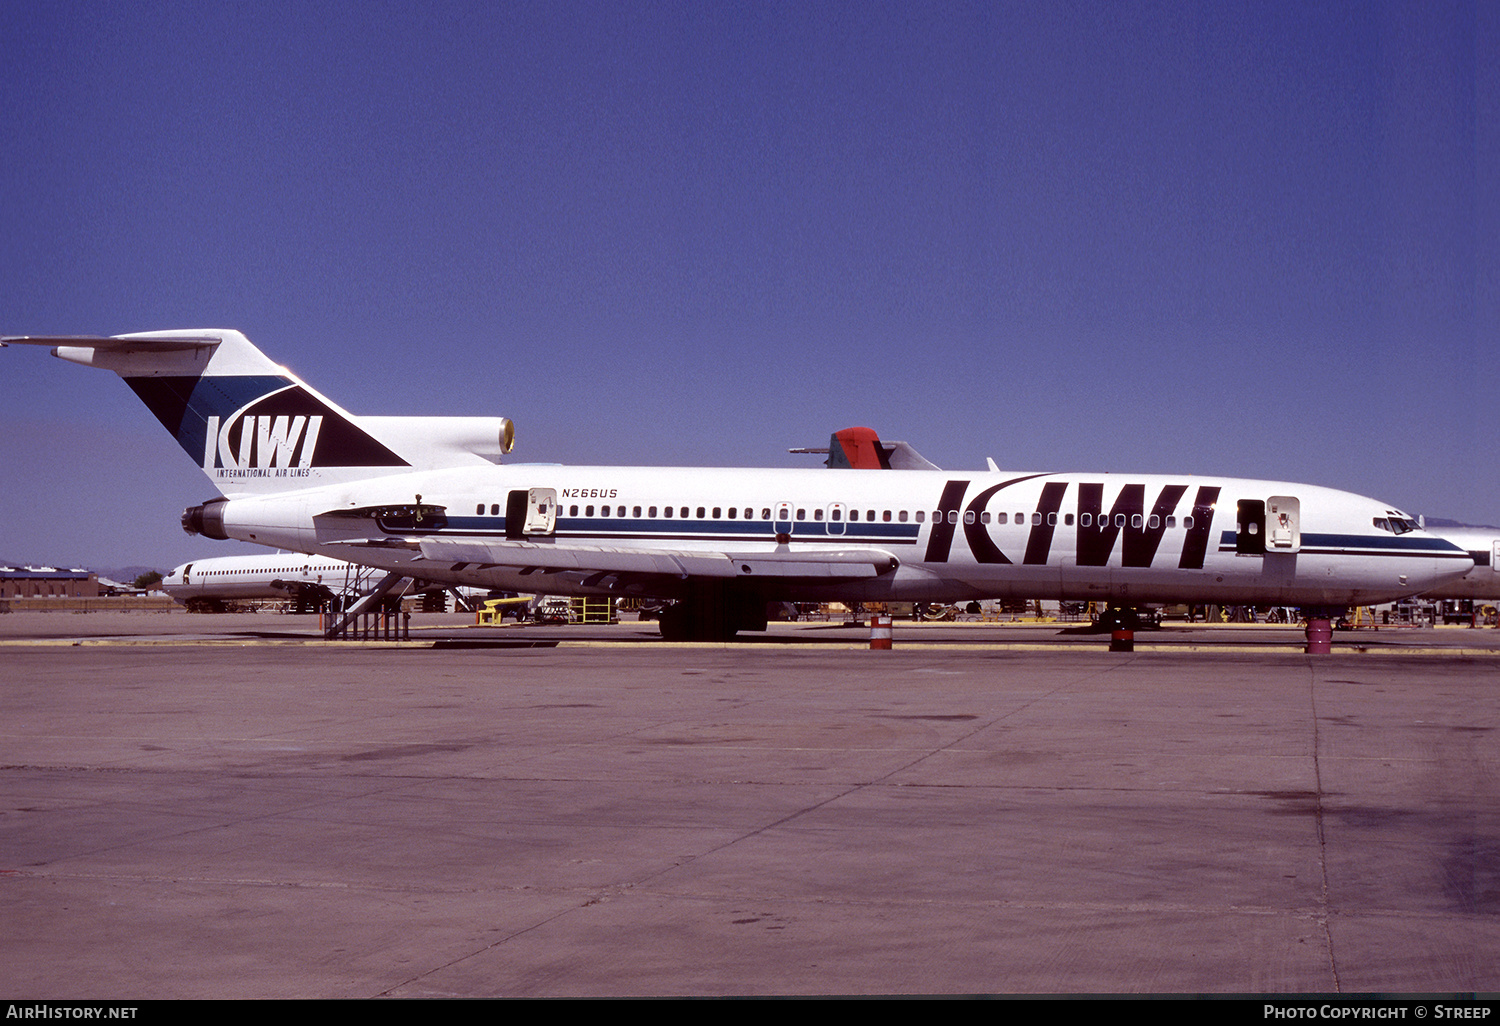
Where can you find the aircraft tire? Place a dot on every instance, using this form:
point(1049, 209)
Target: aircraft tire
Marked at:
point(684, 622)
point(673, 623)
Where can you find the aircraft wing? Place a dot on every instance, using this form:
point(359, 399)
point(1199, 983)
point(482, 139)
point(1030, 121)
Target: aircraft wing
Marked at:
point(663, 569)
point(831, 564)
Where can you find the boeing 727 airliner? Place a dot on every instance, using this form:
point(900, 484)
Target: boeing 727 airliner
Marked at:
point(429, 498)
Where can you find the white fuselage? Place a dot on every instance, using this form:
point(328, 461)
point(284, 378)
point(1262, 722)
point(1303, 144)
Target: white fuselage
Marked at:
point(1121, 538)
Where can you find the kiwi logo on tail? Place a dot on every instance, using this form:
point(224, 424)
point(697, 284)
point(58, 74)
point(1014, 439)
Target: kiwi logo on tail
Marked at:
point(263, 442)
point(289, 430)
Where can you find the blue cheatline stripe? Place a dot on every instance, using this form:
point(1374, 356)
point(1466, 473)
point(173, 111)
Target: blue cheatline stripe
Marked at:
point(662, 530)
point(1365, 545)
point(621, 528)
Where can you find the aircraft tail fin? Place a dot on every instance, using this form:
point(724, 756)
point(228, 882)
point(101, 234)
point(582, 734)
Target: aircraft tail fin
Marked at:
point(856, 448)
point(253, 426)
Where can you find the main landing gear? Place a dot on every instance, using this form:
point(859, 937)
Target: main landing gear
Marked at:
point(712, 614)
point(1128, 618)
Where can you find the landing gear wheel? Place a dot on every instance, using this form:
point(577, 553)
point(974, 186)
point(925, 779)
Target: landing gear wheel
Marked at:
point(673, 623)
point(684, 621)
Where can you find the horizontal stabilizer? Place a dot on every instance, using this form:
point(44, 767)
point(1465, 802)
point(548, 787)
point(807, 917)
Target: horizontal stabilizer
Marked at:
point(159, 343)
point(253, 426)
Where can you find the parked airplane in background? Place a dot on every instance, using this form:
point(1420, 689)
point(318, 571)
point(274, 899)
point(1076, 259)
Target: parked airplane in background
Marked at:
point(860, 448)
point(425, 498)
point(1483, 547)
point(314, 581)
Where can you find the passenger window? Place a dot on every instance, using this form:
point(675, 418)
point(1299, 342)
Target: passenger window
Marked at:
point(802, 514)
point(684, 512)
point(572, 511)
point(836, 514)
point(1153, 522)
point(717, 511)
point(1119, 519)
point(732, 512)
point(1171, 522)
point(1135, 520)
point(1187, 523)
point(700, 512)
point(921, 516)
point(636, 512)
point(886, 516)
point(1068, 520)
point(984, 517)
point(853, 515)
point(750, 513)
point(968, 516)
point(651, 512)
point(604, 511)
point(479, 511)
point(901, 517)
point(588, 511)
point(495, 510)
point(1002, 518)
point(1051, 519)
point(667, 512)
point(1036, 519)
point(817, 514)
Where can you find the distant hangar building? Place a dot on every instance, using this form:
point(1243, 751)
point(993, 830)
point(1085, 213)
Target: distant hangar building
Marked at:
point(47, 582)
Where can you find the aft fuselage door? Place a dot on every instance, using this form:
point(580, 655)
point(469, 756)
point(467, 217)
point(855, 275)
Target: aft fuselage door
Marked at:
point(541, 510)
point(1494, 559)
point(1283, 524)
point(530, 512)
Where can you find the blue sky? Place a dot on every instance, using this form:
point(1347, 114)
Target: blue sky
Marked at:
point(1254, 239)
